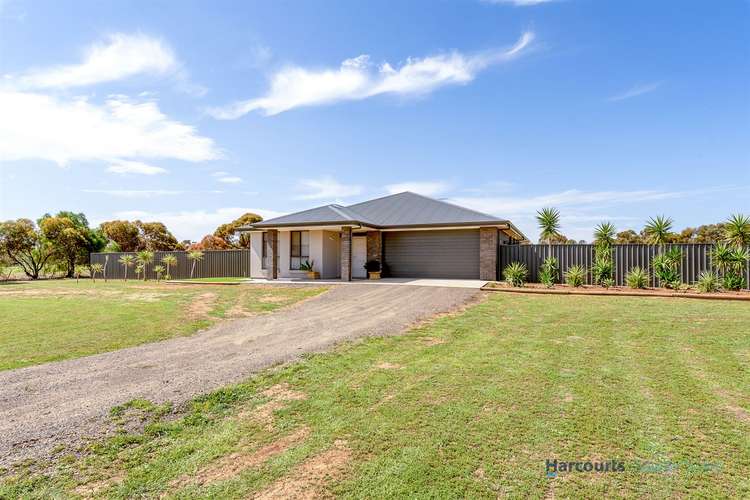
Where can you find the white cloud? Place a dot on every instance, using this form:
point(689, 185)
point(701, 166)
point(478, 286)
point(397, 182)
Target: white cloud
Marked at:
point(426, 188)
point(230, 180)
point(134, 193)
point(521, 3)
point(120, 56)
point(356, 79)
point(134, 167)
point(37, 126)
point(636, 91)
point(194, 225)
point(326, 188)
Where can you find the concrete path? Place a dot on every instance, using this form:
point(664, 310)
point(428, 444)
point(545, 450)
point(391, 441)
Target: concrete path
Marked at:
point(64, 402)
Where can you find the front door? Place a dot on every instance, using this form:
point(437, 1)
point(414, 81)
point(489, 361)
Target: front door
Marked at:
point(359, 257)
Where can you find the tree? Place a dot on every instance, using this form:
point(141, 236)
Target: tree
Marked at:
point(127, 261)
point(144, 258)
point(604, 237)
point(210, 242)
point(628, 236)
point(124, 233)
point(71, 238)
point(658, 230)
point(156, 237)
point(737, 230)
point(170, 261)
point(231, 234)
point(604, 234)
point(549, 225)
point(25, 246)
point(159, 270)
point(96, 269)
point(195, 256)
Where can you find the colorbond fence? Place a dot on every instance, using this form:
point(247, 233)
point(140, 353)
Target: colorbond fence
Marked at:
point(695, 259)
point(215, 264)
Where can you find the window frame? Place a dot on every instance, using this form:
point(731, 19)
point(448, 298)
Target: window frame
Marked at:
point(302, 257)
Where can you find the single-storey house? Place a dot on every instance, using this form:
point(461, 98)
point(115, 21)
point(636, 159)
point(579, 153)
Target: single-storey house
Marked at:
point(411, 235)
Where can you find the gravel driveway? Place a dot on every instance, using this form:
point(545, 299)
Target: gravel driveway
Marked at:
point(64, 402)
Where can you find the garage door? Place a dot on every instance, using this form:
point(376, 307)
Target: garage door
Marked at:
point(432, 254)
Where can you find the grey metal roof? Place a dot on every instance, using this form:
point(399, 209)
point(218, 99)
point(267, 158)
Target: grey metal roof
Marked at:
point(405, 209)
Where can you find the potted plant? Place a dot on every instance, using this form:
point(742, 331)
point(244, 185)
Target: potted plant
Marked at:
point(308, 266)
point(373, 269)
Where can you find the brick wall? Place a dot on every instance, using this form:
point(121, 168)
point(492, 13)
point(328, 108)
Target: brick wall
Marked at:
point(488, 240)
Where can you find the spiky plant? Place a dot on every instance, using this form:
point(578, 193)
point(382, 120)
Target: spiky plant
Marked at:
point(657, 229)
point(575, 276)
point(637, 277)
point(730, 261)
point(138, 270)
point(667, 267)
point(78, 271)
point(515, 274)
point(144, 258)
point(170, 261)
point(96, 269)
point(549, 272)
point(549, 225)
point(127, 261)
point(159, 270)
point(737, 230)
point(604, 233)
point(708, 281)
point(195, 256)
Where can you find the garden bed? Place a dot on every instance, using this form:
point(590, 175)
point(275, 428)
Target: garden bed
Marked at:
point(498, 286)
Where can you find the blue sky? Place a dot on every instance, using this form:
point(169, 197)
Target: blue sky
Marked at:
point(194, 112)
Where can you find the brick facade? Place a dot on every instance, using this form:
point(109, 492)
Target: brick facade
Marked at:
point(273, 253)
point(488, 241)
point(375, 246)
point(346, 253)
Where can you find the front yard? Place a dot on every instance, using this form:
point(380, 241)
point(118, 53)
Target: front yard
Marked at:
point(60, 319)
point(470, 405)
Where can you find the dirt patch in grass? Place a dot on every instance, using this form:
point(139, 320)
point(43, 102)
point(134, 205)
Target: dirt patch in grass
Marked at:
point(272, 299)
point(310, 479)
point(231, 465)
point(279, 395)
point(388, 366)
point(92, 489)
point(430, 341)
point(202, 305)
point(146, 296)
point(237, 311)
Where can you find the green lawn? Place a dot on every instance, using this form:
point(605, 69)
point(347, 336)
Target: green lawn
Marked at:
point(61, 319)
point(215, 280)
point(466, 406)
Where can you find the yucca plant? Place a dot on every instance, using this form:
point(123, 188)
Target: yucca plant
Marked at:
point(195, 256)
point(96, 269)
point(737, 230)
point(139, 268)
point(730, 261)
point(549, 225)
point(666, 267)
point(127, 261)
point(549, 272)
point(515, 274)
point(78, 271)
point(608, 282)
point(159, 270)
point(657, 230)
point(145, 257)
point(708, 281)
point(169, 261)
point(637, 277)
point(575, 276)
point(604, 234)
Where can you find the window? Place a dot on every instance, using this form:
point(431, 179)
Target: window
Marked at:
point(299, 250)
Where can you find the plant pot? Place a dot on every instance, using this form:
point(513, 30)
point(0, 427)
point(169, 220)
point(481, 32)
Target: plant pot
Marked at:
point(374, 275)
point(313, 275)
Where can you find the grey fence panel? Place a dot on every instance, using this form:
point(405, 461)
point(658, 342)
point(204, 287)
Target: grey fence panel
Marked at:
point(215, 264)
point(696, 258)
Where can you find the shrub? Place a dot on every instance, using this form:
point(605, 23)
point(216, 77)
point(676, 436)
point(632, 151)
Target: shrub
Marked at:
point(575, 276)
point(666, 267)
point(549, 272)
point(306, 266)
point(372, 266)
point(159, 270)
point(515, 274)
point(637, 278)
point(730, 260)
point(603, 268)
point(608, 282)
point(708, 281)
